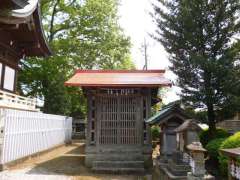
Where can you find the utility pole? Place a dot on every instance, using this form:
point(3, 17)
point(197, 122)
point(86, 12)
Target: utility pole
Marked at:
point(145, 46)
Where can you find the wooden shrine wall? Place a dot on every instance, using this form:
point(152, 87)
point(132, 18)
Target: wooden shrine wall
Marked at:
point(116, 118)
point(9, 58)
point(118, 122)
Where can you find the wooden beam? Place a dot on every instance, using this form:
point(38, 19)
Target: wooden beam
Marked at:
point(9, 26)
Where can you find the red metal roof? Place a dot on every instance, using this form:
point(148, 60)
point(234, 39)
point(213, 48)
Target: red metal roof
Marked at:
point(118, 78)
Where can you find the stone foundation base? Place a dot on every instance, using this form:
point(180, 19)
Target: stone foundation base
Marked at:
point(89, 158)
point(118, 159)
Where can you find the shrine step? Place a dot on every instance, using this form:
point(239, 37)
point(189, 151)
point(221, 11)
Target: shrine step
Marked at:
point(118, 166)
point(120, 157)
point(119, 170)
point(180, 167)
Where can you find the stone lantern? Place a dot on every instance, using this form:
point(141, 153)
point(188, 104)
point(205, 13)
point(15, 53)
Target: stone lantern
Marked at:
point(197, 161)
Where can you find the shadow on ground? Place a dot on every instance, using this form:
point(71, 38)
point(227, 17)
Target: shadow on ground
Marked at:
point(70, 163)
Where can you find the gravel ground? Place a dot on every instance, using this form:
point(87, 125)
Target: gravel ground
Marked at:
point(64, 163)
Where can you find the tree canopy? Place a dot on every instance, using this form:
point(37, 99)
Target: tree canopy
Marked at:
point(82, 35)
point(201, 39)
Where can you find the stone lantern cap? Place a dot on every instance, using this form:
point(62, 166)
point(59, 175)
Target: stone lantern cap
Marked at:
point(196, 147)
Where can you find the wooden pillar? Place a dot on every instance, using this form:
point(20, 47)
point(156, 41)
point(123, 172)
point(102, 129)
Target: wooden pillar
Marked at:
point(162, 140)
point(88, 120)
point(91, 118)
point(148, 97)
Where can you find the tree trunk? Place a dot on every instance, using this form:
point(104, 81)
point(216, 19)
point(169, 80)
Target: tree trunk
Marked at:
point(209, 103)
point(211, 121)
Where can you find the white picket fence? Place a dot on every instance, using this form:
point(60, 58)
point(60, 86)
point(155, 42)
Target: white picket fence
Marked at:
point(24, 133)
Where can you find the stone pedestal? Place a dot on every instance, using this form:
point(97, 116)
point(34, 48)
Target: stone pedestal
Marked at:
point(197, 163)
point(177, 166)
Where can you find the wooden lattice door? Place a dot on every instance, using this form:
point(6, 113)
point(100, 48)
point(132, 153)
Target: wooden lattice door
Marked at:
point(108, 108)
point(118, 120)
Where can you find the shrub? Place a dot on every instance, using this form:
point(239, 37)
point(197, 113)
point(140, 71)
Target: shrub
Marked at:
point(213, 148)
point(155, 132)
point(231, 142)
point(204, 135)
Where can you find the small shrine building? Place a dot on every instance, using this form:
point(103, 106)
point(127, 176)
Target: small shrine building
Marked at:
point(168, 119)
point(119, 102)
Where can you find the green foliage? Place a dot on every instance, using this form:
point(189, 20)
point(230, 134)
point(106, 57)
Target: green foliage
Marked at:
point(82, 35)
point(205, 135)
point(231, 142)
point(158, 104)
point(155, 130)
point(201, 116)
point(198, 35)
point(126, 64)
point(213, 148)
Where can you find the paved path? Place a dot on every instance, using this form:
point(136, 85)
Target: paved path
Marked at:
point(65, 163)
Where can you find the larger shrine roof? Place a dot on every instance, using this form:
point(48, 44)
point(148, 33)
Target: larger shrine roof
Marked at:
point(21, 20)
point(118, 78)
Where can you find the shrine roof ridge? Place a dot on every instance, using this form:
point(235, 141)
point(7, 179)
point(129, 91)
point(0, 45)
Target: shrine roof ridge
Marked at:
point(120, 71)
